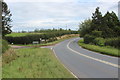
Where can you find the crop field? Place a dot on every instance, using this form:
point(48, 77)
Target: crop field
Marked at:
point(20, 34)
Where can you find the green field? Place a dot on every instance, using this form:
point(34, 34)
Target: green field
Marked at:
point(35, 63)
point(20, 34)
point(101, 49)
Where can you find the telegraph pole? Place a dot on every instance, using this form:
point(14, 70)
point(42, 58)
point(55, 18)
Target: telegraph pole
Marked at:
point(66, 26)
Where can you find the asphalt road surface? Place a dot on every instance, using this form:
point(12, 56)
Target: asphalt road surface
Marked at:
point(84, 63)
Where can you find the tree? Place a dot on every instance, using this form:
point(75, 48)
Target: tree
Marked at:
point(84, 27)
point(111, 25)
point(36, 30)
point(6, 19)
point(96, 20)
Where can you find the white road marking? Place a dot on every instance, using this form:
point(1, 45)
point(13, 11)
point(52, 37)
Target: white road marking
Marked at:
point(104, 55)
point(102, 61)
point(65, 66)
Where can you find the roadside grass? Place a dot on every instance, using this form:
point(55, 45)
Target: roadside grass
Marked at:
point(101, 49)
point(35, 63)
point(8, 56)
point(20, 34)
point(0, 46)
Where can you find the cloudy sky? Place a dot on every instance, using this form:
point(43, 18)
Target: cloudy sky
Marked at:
point(43, 14)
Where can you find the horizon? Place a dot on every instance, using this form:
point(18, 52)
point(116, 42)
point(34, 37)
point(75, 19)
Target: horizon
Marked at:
point(49, 14)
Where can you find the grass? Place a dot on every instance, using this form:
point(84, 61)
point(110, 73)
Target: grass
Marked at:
point(35, 63)
point(20, 34)
point(0, 46)
point(101, 49)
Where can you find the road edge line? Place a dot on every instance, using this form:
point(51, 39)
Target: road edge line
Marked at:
point(64, 65)
point(102, 61)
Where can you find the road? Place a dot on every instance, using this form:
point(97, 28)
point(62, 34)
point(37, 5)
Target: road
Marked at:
point(84, 63)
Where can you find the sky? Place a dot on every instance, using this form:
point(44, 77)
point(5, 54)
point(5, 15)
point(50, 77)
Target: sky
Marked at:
point(29, 15)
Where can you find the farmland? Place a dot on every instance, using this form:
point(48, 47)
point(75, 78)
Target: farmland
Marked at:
point(21, 34)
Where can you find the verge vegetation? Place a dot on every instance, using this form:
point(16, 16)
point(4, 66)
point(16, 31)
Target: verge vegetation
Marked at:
point(108, 50)
point(100, 32)
point(5, 46)
point(33, 63)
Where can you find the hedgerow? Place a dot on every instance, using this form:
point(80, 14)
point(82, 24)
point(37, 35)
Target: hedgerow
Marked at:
point(47, 37)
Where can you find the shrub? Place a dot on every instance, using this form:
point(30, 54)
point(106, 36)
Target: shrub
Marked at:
point(4, 46)
point(99, 41)
point(88, 39)
point(97, 33)
point(113, 42)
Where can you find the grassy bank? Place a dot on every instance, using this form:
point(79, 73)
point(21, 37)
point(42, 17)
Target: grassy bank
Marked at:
point(34, 63)
point(101, 49)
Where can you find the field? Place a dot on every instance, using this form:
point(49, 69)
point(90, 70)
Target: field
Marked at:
point(101, 49)
point(34, 63)
point(20, 34)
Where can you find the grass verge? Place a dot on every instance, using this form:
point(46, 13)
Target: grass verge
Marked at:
point(101, 49)
point(35, 63)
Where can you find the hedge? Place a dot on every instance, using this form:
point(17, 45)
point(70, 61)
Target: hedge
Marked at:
point(28, 39)
point(115, 42)
point(99, 41)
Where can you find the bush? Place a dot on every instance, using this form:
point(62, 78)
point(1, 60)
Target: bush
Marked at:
point(97, 33)
point(88, 39)
point(99, 41)
point(4, 46)
point(113, 42)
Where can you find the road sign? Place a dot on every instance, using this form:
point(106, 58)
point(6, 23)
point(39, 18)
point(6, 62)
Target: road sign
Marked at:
point(35, 42)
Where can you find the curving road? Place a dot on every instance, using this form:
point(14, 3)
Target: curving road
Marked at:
point(84, 63)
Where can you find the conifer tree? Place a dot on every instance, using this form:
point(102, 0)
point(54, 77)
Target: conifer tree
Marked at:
point(6, 19)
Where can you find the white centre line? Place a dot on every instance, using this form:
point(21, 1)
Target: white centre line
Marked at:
point(102, 61)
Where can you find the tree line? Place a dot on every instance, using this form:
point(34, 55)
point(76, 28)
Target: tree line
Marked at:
point(46, 35)
point(101, 29)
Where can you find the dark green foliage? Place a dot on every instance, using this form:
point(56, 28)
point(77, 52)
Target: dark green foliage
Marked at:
point(96, 33)
point(88, 38)
point(47, 37)
point(111, 26)
point(103, 30)
point(85, 27)
point(6, 19)
point(96, 20)
point(99, 41)
point(4, 46)
point(115, 42)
